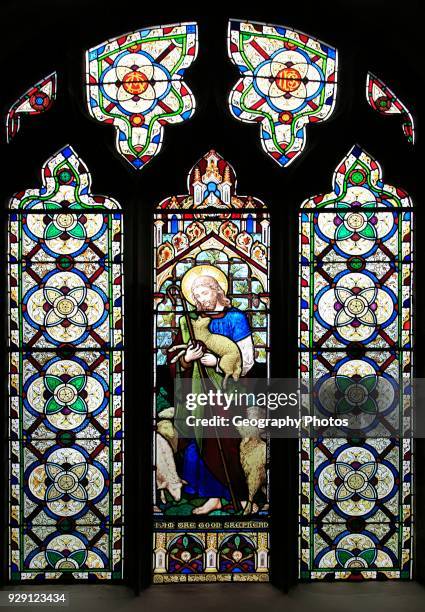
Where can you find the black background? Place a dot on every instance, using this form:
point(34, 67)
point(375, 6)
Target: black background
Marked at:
point(37, 38)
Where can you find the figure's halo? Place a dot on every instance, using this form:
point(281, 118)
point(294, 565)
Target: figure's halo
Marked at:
point(202, 270)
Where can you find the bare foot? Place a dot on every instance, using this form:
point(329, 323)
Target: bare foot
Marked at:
point(211, 504)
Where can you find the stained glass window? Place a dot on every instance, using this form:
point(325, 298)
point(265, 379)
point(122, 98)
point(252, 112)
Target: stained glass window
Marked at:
point(135, 82)
point(65, 378)
point(355, 333)
point(384, 101)
point(212, 254)
point(289, 80)
point(36, 100)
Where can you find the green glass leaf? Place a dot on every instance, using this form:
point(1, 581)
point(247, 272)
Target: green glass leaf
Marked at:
point(79, 556)
point(53, 557)
point(342, 233)
point(237, 541)
point(368, 232)
point(52, 382)
point(343, 406)
point(368, 555)
point(78, 382)
point(77, 232)
point(52, 407)
point(342, 556)
point(185, 542)
point(369, 382)
point(343, 382)
point(79, 406)
point(52, 231)
point(369, 406)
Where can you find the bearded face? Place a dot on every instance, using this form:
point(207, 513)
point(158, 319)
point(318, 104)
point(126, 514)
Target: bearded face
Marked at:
point(208, 295)
point(205, 297)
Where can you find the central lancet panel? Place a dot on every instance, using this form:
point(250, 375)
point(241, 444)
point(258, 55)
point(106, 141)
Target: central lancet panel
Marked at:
point(210, 496)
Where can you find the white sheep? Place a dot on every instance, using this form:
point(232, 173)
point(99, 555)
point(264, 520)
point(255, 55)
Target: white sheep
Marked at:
point(167, 478)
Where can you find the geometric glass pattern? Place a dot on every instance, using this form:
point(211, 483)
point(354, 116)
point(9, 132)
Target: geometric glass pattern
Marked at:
point(65, 378)
point(210, 498)
point(135, 83)
point(289, 79)
point(384, 101)
point(36, 100)
point(355, 333)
